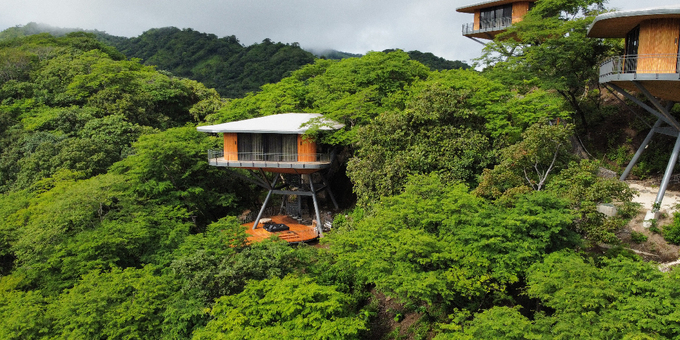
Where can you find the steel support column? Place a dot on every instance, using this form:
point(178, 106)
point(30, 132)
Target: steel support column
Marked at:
point(266, 200)
point(642, 148)
point(316, 206)
point(667, 176)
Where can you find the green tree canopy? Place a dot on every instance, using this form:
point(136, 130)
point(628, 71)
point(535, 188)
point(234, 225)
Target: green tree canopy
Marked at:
point(438, 244)
point(288, 308)
point(549, 48)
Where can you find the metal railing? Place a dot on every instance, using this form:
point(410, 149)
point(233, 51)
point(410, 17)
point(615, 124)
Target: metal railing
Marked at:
point(212, 154)
point(487, 25)
point(640, 63)
point(270, 157)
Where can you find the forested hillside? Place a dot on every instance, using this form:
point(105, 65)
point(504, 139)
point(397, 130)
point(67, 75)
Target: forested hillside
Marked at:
point(473, 217)
point(220, 63)
point(426, 58)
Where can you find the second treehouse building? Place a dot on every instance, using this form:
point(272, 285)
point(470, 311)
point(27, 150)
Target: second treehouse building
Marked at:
point(283, 161)
point(650, 67)
point(494, 17)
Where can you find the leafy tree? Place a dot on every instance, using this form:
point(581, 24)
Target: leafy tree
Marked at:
point(612, 298)
point(433, 62)
point(9, 205)
point(438, 244)
point(79, 109)
point(290, 308)
point(170, 168)
point(121, 304)
point(581, 185)
point(23, 313)
point(351, 91)
point(549, 48)
point(139, 93)
point(544, 151)
point(50, 219)
point(620, 298)
point(438, 132)
point(218, 263)
point(14, 65)
point(498, 322)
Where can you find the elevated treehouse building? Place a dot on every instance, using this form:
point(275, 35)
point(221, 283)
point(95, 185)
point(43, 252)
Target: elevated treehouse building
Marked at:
point(277, 145)
point(494, 17)
point(649, 67)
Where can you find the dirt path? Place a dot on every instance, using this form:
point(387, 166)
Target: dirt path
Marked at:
point(647, 194)
point(655, 244)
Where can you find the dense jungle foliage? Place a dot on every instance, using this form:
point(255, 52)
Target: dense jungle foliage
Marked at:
point(473, 218)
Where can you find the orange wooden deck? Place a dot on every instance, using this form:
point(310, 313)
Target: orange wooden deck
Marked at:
point(297, 233)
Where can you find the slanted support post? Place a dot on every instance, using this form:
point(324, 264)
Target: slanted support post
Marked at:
point(330, 193)
point(664, 110)
point(266, 200)
point(642, 148)
point(648, 108)
point(477, 40)
point(316, 206)
point(667, 176)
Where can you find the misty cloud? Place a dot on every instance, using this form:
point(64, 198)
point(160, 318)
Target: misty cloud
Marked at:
point(355, 26)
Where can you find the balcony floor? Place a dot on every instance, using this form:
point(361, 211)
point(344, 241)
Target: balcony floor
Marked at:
point(281, 167)
point(486, 33)
point(661, 85)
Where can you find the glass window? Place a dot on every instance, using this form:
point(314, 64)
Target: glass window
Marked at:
point(497, 16)
point(289, 148)
point(267, 147)
point(632, 42)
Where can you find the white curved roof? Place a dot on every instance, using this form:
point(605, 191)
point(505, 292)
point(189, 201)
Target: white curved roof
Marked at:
point(486, 4)
point(618, 24)
point(285, 123)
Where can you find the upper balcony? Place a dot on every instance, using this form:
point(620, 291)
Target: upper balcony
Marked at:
point(641, 67)
point(487, 28)
point(273, 162)
point(493, 17)
point(658, 73)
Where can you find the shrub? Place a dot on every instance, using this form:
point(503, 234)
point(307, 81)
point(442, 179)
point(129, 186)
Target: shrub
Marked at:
point(638, 237)
point(671, 232)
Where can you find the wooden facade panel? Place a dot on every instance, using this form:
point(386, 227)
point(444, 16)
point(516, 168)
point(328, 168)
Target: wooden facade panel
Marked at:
point(658, 44)
point(519, 10)
point(231, 146)
point(477, 18)
point(306, 150)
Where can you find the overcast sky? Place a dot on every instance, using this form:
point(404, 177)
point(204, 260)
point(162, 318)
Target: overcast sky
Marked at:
point(355, 26)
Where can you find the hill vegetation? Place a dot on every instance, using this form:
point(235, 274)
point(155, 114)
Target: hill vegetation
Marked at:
point(220, 63)
point(473, 218)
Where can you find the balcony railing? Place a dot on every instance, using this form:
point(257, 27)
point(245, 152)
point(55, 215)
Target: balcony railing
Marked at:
point(643, 63)
point(487, 25)
point(270, 157)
